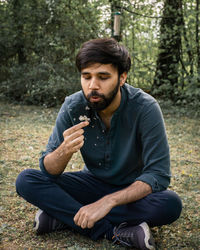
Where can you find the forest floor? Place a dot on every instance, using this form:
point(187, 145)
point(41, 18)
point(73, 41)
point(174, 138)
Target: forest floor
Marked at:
point(24, 131)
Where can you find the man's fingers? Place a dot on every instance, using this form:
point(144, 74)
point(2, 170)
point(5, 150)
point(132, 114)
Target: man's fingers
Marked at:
point(83, 224)
point(73, 141)
point(75, 135)
point(77, 143)
point(75, 128)
point(90, 224)
point(76, 218)
point(82, 220)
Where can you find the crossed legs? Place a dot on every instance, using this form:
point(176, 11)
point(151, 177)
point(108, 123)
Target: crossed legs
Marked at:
point(63, 196)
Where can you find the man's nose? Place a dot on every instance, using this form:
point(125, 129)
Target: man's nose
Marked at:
point(94, 84)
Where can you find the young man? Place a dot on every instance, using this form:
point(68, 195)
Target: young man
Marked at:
point(121, 191)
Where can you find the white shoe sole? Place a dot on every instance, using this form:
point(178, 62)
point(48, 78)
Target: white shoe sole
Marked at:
point(147, 234)
point(39, 212)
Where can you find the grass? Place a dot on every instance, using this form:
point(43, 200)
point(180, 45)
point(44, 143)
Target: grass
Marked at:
point(24, 131)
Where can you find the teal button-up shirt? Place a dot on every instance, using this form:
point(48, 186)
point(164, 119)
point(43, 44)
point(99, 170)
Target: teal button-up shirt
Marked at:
point(134, 148)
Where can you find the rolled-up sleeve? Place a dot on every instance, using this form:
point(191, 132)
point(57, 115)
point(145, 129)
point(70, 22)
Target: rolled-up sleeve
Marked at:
point(155, 149)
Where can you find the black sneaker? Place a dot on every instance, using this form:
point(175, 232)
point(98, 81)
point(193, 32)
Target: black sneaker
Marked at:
point(46, 224)
point(139, 236)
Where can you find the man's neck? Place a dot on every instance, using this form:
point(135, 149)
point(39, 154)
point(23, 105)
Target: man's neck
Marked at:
point(107, 113)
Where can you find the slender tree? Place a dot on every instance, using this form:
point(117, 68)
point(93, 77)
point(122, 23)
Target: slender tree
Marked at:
point(197, 40)
point(166, 75)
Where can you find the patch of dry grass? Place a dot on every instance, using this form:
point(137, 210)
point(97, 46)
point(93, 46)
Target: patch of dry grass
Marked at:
point(24, 134)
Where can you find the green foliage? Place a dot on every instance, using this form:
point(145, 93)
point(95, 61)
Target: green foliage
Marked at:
point(38, 49)
point(40, 38)
point(39, 84)
point(190, 95)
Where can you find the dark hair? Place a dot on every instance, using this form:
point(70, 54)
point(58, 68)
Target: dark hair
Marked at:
point(105, 51)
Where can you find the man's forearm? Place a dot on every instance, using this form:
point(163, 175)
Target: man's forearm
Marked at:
point(56, 162)
point(88, 215)
point(134, 192)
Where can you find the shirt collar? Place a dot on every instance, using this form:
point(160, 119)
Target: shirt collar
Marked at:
point(123, 101)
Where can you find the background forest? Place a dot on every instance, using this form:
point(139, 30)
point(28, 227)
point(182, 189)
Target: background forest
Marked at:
point(40, 38)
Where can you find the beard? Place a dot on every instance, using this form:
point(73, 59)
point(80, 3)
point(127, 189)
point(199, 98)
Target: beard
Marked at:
point(105, 100)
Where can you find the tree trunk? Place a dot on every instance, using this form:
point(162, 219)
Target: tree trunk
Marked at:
point(197, 41)
point(166, 75)
point(188, 46)
point(17, 5)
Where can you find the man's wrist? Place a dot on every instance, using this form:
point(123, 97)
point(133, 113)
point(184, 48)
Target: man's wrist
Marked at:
point(61, 152)
point(111, 200)
point(56, 161)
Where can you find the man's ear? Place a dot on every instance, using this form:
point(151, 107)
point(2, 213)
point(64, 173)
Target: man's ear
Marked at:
point(123, 78)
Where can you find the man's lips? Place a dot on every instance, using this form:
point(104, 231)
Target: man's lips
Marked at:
point(95, 98)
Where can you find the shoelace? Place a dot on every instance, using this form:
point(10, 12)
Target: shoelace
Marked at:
point(116, 235)
point(119, 240)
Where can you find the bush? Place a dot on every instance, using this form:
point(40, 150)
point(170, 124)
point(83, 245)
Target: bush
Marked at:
point(42, 84)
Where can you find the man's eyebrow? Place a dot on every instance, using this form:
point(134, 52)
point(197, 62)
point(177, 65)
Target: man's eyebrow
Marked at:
point(98, 73)
point(104, 73)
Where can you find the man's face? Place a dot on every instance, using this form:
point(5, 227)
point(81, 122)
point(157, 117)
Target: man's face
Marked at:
point(100, 85)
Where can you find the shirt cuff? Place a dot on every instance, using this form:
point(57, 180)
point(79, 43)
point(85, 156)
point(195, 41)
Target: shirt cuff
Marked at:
point(43, 169)
point(152, 181)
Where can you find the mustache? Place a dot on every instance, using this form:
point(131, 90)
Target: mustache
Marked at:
point(94, 93)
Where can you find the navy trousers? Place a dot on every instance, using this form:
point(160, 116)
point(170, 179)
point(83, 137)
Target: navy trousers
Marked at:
point(63, 196)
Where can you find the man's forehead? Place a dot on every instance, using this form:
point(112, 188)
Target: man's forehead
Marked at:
point(98, 72)
point(99, 68)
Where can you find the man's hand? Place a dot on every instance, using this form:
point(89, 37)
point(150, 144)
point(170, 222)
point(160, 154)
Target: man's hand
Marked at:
point(88, 215)
point(73, 137)
point(56, 162)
